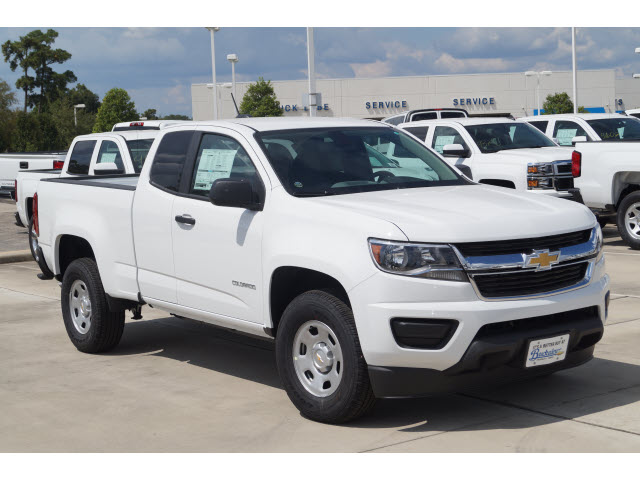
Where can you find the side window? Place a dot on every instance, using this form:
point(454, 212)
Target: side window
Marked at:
point(446, 136)
point(420, 132)
point(110, 153)
point(397, 120)
point(540, 125)
point(81, 157)
point(169, 160)
point(138, 149)
point(220, 157)
point(452, 115)
point(565, 130)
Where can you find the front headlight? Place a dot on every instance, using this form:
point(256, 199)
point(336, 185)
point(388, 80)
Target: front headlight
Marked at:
point(417, 260)
point(599, 242)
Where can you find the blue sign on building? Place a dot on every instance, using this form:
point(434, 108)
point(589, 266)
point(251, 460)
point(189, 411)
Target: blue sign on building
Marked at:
point(382, 104)
point(478, 101)
point(295, 108)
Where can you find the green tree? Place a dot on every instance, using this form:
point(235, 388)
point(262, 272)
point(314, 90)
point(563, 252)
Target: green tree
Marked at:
point(80, 94)
point(559, 103)
point(61, 112)
point(18, 55)
point(150, 114)
point(7, 116)
point(260, 100)
point(174, 116)
point(116, 107)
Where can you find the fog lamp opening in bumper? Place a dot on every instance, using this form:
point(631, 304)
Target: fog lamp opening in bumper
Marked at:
point(419, 333)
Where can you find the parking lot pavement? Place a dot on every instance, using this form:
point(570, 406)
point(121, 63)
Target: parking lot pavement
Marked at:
point(181, 385)
point(12, 237)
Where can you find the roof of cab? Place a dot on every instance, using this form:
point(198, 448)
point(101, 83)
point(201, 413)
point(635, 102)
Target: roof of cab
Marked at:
point(265, 124)
point(570, 116)
point(460, 120)
point(159, 124)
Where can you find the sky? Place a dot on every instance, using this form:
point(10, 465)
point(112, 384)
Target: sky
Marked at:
point(158, 65)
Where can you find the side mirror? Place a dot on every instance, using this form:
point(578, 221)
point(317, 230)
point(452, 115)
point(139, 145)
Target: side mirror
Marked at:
point(227, 192)
point(465, 170)
point(106, 169)
point(455, 150)
point(580, 138)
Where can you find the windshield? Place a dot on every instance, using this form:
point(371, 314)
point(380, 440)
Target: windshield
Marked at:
point(493, 137)
point(616, 129)
point(332, 161)
point(139, 150)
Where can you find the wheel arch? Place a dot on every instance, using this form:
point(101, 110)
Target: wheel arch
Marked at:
point(497, 182)
point(287, 282)
point(70, 248)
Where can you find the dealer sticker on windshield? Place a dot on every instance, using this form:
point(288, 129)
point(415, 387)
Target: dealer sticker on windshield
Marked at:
point(547, 350)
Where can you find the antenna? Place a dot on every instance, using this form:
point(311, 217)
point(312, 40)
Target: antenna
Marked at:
point(239, 115)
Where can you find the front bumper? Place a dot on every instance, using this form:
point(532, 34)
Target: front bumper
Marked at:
point(496, 355)
point(383, 297)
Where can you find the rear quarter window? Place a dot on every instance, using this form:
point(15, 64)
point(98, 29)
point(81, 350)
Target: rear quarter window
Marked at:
point(81, 157)
point(168, 163)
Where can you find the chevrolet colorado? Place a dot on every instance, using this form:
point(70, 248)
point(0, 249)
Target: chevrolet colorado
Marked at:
point(374, 281)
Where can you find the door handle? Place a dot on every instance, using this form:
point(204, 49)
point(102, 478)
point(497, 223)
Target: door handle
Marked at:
point(185, 219)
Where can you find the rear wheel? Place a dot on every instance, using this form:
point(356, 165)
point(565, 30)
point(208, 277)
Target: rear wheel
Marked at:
point(91, 326)
point(629, 220)
point(320, 360)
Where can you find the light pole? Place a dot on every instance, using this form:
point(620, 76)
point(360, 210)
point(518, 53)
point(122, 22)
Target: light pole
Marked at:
point(212, 31)
point(233, 58)
point(311, 63)
point(531, 73)
point(75, 116)
point(575, 70)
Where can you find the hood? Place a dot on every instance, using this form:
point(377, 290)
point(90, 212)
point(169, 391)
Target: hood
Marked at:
point(536, 155)
point(467, 213)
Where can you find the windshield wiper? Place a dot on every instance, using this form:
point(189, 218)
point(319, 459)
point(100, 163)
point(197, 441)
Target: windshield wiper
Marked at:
point(322, 193)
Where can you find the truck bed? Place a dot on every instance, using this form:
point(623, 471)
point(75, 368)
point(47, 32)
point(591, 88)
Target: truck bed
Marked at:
point(122, 182)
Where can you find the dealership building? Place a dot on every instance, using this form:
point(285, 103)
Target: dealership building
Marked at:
point(496, 94)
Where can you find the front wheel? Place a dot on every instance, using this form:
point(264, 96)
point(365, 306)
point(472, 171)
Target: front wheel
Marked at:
point(320, 360)
point(91, 326)
point(629, 220)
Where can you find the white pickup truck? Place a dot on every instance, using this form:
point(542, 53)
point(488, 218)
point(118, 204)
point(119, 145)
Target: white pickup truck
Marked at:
point(566, 129)
point(607, 179)
point(373, 281)
point(501, 152)
point(11, 163)
point(425, 114)
point(96, 154)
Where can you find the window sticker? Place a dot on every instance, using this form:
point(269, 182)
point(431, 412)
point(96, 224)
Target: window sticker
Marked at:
point(108, 158)
point(565, 135)
point(214, 164)
point(442, 141)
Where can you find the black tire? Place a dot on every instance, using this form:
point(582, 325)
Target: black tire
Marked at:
point(32, 238)
point(623, 227)
point(105, 327)
point(353, 397)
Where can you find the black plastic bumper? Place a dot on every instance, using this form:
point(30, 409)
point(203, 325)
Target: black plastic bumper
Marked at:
point(576, 196)
point(496, 355)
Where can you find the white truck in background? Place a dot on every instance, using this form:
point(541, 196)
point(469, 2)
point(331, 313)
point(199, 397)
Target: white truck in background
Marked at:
point(12, 163)
point(95, 154)
point(566, 129)
point(501, 152)
point(634, 112)
point(373, 281)
point(607, 179)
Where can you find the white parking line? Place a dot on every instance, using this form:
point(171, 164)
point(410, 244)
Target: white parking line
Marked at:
point(616, 253)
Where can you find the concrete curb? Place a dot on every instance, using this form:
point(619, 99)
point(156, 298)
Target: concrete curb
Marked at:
point(15, 256)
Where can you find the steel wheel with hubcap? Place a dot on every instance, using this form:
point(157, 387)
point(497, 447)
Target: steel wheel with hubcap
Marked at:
point(91, 326)
point(317, 358)
point(629, 220)
point(320, 360)
point(80, 306)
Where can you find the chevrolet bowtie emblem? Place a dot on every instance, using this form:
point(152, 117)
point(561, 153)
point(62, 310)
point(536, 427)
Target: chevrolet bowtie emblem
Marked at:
point(542, 259)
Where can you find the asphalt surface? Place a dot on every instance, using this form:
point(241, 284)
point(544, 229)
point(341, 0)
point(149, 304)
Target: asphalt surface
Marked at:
point(181, 385)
